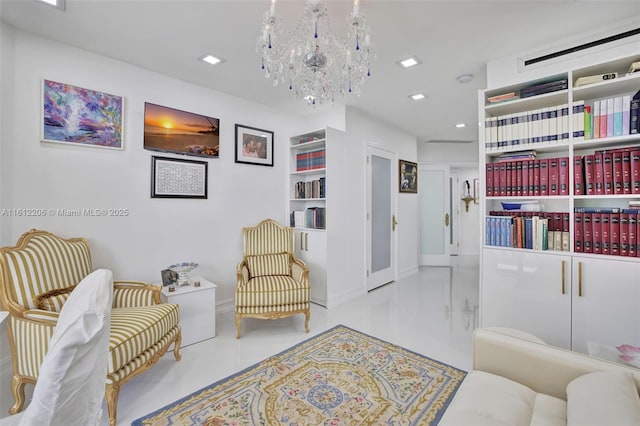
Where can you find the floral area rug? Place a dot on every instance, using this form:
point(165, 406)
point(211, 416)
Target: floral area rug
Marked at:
point(339, 377)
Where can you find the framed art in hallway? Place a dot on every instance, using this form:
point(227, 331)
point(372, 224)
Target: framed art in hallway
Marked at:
point(78, 116)
point(408, 176)
point(254, 146)
point(177, 178)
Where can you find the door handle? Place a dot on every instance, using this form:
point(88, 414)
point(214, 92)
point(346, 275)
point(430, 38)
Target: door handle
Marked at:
point(301, 241)
point(306, 241)
point(394, 222)
point(446, 219)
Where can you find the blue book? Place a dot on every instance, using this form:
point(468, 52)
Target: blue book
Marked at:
point(617, 116)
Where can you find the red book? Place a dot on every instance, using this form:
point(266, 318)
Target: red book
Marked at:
point(624, 234)
point(605, 221)
point(577, 232)
point(626, 172)
point(563, 176)
point(554, 176)
point(525, 178)
point(578, 175)
point(617, 172)
point(557, 222)
point(598, 168)
point(536, 177)
point(589, 175)
point(596, 232)
point(503, 178)
point(633, 232)
point(635, 172)
point(565, 222)
point(489, 180)
point(518, 167)
point(587, 233)
point(496, 179)
point(544, 177)
point(607, 165)
point(614, 232)
point(531, 177)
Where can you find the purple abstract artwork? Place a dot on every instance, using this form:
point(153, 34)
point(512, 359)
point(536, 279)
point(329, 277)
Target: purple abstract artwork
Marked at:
point(73, 114)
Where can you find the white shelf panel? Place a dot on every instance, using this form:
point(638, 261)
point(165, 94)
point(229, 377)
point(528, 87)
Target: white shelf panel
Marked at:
point(307, 199)
point(319, 143)
point(309, 172)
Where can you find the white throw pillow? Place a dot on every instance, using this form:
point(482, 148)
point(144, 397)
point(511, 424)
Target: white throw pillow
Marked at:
point(603, 398)
point(71, 385)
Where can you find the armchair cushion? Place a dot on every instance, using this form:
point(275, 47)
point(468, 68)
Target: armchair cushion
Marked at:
point(53, 300)
point(272, 291)
point(268, 264)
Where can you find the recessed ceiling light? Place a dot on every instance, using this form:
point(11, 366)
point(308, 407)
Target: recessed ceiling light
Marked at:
point(417, 96)
point(210, 59)
point(409, 62)
point(55, 3)
point(461, 125)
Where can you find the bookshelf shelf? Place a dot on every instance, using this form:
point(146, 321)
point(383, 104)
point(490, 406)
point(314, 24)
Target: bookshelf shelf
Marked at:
point(541, 291)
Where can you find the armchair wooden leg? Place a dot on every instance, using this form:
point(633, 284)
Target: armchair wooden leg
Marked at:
point(307, 316)
point(17, 389)
point(111, 395)
point(176, 346)
point(238, 326)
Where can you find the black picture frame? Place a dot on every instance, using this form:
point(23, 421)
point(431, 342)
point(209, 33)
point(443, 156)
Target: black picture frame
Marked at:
point(169, 277)
point(178, 178)
point(254, 146)
point(407, 177)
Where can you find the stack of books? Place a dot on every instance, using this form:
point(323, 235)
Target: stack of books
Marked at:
point(313, 217)
point(528, 177)
point(311, 160)
point(545, 87)
point(608, 172)
point(610, 231)
point(528, 230)
point(609, 117)
point(310, 189)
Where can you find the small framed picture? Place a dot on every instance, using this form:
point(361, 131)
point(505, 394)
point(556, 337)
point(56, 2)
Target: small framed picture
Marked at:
point(408, 179)
point(254, 146)
point(169, 277)
point(173, 178)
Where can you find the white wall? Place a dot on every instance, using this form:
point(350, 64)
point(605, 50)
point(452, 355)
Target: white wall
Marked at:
point(361, 130)
point(157, 232)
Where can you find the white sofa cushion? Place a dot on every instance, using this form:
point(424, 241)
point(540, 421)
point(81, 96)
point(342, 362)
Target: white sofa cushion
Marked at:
point(603, 397)
point(491, 400)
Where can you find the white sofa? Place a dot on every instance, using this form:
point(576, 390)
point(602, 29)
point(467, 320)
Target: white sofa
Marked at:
point(519, 380)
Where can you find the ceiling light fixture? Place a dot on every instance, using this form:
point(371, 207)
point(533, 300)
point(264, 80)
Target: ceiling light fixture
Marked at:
point(417, 96)
point(461, 125)
point(59, 4)
point(314, 63)
point(464, 78)
point(210, 59)
point(410, 62)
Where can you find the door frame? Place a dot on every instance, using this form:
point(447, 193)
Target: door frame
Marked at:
point(393, 156)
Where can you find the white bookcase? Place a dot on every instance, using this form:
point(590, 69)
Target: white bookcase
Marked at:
point(579, 300)
point(316, 203)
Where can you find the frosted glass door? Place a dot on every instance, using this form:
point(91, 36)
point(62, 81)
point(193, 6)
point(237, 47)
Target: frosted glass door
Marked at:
point(435, 218)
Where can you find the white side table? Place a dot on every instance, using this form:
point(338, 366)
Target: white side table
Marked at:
point(197, 309)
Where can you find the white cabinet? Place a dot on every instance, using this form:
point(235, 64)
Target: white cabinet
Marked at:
point(317, 202)
point(197, 309)
point(311, 247)
point(606, 304)
point(528, 291)
point(578, 295)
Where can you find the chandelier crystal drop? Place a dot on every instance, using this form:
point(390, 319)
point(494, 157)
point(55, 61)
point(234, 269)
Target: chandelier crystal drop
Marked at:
point(315, 64)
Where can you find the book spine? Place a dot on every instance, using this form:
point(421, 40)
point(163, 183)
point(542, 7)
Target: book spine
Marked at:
point(577, 232)
point(610, 111)
point(565, 121)
point(596, 120)
point(603, 118)
point(496, 179)
point(634, 117)
point(614, 226)
point(587, 122)
point(617, 116)
point(503, 179)
point(633, 232)
point(607, 165)
point(489, 180)
point(626, 114)
point(587, 241)
point(598, 168)
point(605, 221)
point(544, 177)
point(624, 234)
point(525, 178)
point(565, 232)
point(617, 172)
point(626, 172)
point(578, 174)
point(531, 177)
point(518, 171)
point(553, 124)
point(635, 172)
point(553, 176)
point(589, 174)
point(596, 232)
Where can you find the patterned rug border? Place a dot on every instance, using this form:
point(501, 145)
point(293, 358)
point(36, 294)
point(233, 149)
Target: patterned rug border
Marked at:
point(138, 422)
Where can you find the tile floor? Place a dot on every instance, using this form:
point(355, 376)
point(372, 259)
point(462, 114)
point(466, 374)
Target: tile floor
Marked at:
point(432, 312)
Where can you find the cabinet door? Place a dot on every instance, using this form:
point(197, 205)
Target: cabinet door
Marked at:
point(606, 306)
point(527, 291)
point(311, 247)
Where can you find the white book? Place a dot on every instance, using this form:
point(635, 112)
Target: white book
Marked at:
point(617, 116)
point(564, 119)
point(578, 120)
point(299, 218)
point(626, 111)
point(494, 132)
point(544, 124)
point(610, 112)
point(553, 124)
point(500, 130)
point(487, 133)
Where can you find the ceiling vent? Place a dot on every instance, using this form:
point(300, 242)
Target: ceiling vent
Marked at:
point(571, 50)
point(447, 141)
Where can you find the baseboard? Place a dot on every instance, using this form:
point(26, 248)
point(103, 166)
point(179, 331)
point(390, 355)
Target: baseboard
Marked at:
point(407, 272)
point(338, 299)
point(226, 305)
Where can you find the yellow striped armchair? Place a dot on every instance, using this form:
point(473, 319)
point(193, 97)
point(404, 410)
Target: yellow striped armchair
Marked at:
point(271, 282)
point(38, 275)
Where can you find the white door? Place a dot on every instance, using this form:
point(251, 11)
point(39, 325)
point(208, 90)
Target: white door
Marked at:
point(435, 215)
point(381, 217)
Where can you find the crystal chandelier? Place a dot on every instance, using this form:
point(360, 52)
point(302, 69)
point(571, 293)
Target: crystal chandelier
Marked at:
point(314, 63)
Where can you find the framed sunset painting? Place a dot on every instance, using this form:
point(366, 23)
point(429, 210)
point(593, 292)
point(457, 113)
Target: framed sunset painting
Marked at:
point(180, 132)
point(79, 116)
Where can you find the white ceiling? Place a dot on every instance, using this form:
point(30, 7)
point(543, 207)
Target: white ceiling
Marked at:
point(450, 37)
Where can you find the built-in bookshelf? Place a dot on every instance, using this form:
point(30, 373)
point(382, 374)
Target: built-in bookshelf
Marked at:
point(308, 183)
point(565, 161)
